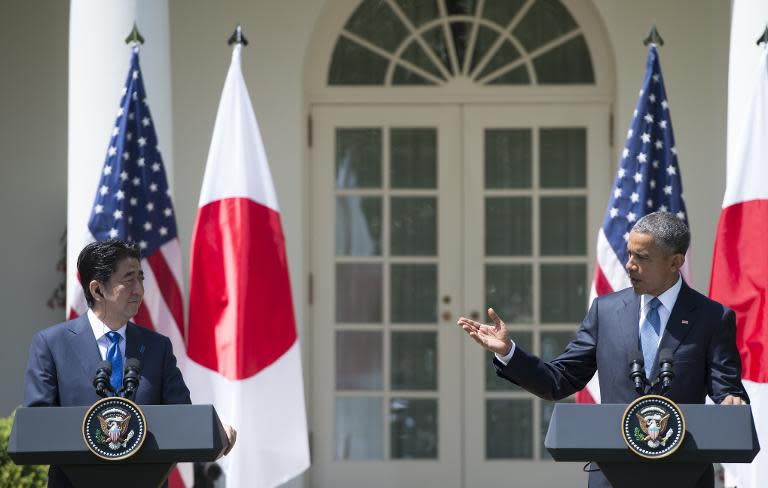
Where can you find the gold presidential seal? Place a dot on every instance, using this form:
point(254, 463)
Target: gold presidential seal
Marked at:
point(114, 428)
point(653, 426)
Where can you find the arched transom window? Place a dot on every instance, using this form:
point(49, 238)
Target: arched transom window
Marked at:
point(435, 42)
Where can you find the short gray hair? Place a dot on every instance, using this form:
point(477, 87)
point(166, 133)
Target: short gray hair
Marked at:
point(667, 230)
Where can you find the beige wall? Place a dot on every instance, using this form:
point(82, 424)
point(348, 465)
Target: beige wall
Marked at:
point(33, 175)
point(33, 89)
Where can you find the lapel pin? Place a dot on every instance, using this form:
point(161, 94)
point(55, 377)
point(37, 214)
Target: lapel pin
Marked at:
point(685, 322)
point(141, 347)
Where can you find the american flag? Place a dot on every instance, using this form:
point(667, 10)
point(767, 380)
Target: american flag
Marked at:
point(133, 202)
point(133, 199)
point(648, 180)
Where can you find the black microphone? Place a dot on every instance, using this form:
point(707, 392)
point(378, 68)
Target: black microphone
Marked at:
point(101, 380)
point(666, 375)
point(131, 377)
point(637, 370)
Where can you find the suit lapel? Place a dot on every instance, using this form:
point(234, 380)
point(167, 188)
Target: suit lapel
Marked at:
point(132, 339)
point(84, 346)
point(676, 331)
point(135, 341)
point(629, 316)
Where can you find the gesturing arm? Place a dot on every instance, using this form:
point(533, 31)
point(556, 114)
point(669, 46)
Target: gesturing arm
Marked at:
point(553, 380)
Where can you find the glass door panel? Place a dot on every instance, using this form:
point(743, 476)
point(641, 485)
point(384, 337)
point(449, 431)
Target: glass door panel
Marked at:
point(386, 355)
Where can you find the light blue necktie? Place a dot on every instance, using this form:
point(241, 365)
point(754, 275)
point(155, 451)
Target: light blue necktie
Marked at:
point(114, 357)
point(649, 335)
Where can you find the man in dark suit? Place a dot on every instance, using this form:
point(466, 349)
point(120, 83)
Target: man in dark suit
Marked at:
point(63, 359)
point(658, 312)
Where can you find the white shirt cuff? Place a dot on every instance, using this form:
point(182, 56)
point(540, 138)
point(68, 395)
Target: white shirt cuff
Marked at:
point(505, 359)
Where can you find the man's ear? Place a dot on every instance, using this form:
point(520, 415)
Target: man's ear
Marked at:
point(677, 261)
point(95, 289)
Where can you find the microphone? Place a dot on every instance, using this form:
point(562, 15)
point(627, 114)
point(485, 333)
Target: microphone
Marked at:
point(101, 380)
point(637, 370)
point(131, 376)
point(666, 375)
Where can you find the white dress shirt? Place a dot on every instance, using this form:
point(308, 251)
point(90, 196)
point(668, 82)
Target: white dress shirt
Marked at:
point(667, 299)
point(100, 330)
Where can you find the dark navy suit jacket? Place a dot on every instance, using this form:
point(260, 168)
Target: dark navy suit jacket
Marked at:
point(63, 360)
point(701, 334)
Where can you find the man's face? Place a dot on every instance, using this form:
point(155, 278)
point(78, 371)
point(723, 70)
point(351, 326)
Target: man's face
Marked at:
point(124, 290)
point(651, 269)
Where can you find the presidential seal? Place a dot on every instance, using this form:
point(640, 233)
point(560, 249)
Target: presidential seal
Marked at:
point(653, 426)
point(114, 428)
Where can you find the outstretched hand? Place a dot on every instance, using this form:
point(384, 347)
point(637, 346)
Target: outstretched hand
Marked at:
point(494, 338)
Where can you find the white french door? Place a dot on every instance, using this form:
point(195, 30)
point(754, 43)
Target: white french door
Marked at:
point(421, 214)
point(536, 178)
point(386, 262)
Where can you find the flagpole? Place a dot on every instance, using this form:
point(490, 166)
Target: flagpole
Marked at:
point(763, 39)
point(134, 37)
point(653, 37)
point(237, 37)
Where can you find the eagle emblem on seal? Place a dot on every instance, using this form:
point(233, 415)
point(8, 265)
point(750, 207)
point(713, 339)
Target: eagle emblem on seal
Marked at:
point(653, 423)
point(114, 424)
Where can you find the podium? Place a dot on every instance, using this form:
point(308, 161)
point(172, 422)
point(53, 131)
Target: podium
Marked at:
point(714, 433)
point(176, 433)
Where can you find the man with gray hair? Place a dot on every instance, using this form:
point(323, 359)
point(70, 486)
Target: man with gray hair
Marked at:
point(660, 311)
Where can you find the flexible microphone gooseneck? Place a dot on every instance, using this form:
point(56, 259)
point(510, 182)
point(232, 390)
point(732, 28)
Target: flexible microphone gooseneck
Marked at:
point(101, 380)
point(637, 370)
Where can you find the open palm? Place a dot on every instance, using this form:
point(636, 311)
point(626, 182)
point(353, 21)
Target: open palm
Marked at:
point(494, 338)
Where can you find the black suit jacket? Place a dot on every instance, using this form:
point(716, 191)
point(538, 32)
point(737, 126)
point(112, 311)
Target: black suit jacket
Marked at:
point(700, 332)
point(63, 360)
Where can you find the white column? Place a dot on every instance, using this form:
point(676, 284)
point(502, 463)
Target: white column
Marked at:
point(748, 21)
point(98, 64)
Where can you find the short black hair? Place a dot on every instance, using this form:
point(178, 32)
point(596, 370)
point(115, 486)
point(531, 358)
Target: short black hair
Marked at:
point(668, 231)
point(98, 261)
